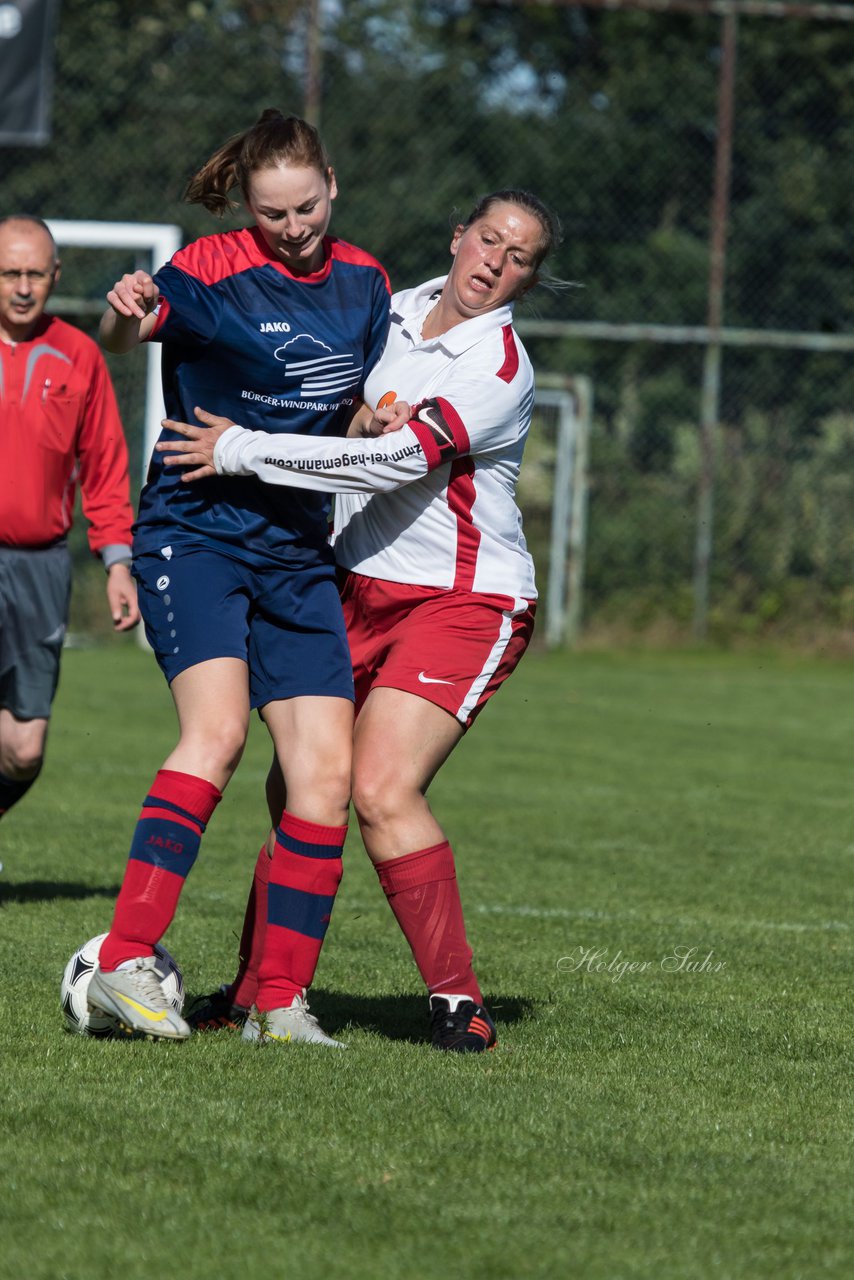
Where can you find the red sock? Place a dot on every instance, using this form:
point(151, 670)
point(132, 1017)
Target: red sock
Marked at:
point(164, 848)
point(305, 872)
point(244, 988)
point(422, 892)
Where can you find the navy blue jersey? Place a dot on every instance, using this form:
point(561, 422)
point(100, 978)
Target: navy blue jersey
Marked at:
point(244, 338)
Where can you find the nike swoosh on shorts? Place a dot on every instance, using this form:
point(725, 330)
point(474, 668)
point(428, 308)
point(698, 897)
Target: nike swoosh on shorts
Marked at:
point(430, 679)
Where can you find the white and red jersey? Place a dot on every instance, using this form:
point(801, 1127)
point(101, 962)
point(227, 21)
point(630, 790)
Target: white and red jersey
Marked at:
point(433, 504)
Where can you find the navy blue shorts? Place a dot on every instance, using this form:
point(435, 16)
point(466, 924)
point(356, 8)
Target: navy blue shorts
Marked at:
point(287, 625)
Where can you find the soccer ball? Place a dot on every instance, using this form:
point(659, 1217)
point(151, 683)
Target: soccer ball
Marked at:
point(75, 985)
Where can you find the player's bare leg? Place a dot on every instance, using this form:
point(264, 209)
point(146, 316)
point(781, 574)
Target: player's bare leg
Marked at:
point(212, 702)
point(401, 741)
point(22, 746)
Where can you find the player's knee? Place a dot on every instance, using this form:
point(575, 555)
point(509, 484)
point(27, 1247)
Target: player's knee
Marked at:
point(22, 761)
point(376, 796)
point(325, 794)
point(221, 745)
point(228, 748)
point(337, 790)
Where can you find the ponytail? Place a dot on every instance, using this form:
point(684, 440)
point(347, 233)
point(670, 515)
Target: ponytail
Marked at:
point(274, 140)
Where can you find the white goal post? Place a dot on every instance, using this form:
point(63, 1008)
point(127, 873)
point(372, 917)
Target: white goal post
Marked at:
point(159, 240)
point(572, 398)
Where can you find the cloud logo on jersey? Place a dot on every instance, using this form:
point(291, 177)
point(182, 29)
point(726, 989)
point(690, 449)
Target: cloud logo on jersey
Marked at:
point(430, 413)
point(316, 367)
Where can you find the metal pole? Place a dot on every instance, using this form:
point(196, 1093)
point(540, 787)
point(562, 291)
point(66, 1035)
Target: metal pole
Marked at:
point(583, 392)
point(680, 334)
point(561, 517)
point(812, 11)
point(710, 397)
point(314, 57)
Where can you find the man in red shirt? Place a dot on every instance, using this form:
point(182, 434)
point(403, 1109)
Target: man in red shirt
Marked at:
point(59, 426)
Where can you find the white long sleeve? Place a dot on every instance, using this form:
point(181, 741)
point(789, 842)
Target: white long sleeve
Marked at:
point(329, 464)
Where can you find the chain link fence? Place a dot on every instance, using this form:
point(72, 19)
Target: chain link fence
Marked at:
point(611, 110)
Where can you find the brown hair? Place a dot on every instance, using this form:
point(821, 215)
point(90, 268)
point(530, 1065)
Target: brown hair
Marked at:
point(549, 221)
point(274, 139)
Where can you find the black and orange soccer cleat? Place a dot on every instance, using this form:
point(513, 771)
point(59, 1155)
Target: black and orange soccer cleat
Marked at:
point(215, 1012)
point(458, 1025)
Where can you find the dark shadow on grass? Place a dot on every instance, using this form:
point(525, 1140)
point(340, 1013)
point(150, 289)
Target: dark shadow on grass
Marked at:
point(404, 1017)
point(51, 890)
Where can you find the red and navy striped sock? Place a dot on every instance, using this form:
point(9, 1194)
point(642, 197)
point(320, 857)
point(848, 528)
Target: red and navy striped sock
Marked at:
point(422, 892)
point(305, 872)
point(164, 848)
point(244, 988)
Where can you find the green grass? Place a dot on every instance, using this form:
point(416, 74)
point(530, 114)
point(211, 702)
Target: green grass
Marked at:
point(658, 1124)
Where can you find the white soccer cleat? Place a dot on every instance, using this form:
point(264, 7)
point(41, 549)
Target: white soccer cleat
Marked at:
point(294, 1025)
point(135, 999)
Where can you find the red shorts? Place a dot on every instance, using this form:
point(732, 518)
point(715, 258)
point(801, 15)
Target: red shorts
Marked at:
point(454, 648)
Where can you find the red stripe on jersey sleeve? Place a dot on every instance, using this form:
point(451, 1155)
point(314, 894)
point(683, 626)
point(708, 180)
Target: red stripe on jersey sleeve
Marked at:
point(163, 310)
point(425, 438)
point(345, 252)
point(510, 367)
point(440, 431)
point(214, 258)
point(461, 496)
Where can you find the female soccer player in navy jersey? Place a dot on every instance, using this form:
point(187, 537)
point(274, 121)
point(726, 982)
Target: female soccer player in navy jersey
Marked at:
point(278, 324)
point(439, 587)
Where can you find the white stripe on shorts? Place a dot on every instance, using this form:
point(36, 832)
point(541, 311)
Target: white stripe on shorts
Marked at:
point(496, 653)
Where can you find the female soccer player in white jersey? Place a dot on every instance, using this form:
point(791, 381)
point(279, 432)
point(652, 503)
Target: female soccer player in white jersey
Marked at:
point(438, 587)
point(279, 324)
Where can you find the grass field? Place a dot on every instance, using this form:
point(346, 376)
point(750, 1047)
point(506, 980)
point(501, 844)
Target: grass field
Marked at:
point(655, 853)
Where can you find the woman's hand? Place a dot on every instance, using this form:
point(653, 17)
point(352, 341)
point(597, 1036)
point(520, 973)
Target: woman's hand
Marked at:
point(197, 450)
point(381, 421)
point(130, 318)
point(121, 597)
point(134, 295)
point(391, 418)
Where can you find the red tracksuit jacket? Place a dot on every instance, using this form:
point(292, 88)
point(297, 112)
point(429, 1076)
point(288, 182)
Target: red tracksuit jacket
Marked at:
point(60, 427)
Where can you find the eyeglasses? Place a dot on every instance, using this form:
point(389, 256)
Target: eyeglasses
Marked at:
point(34, 277)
